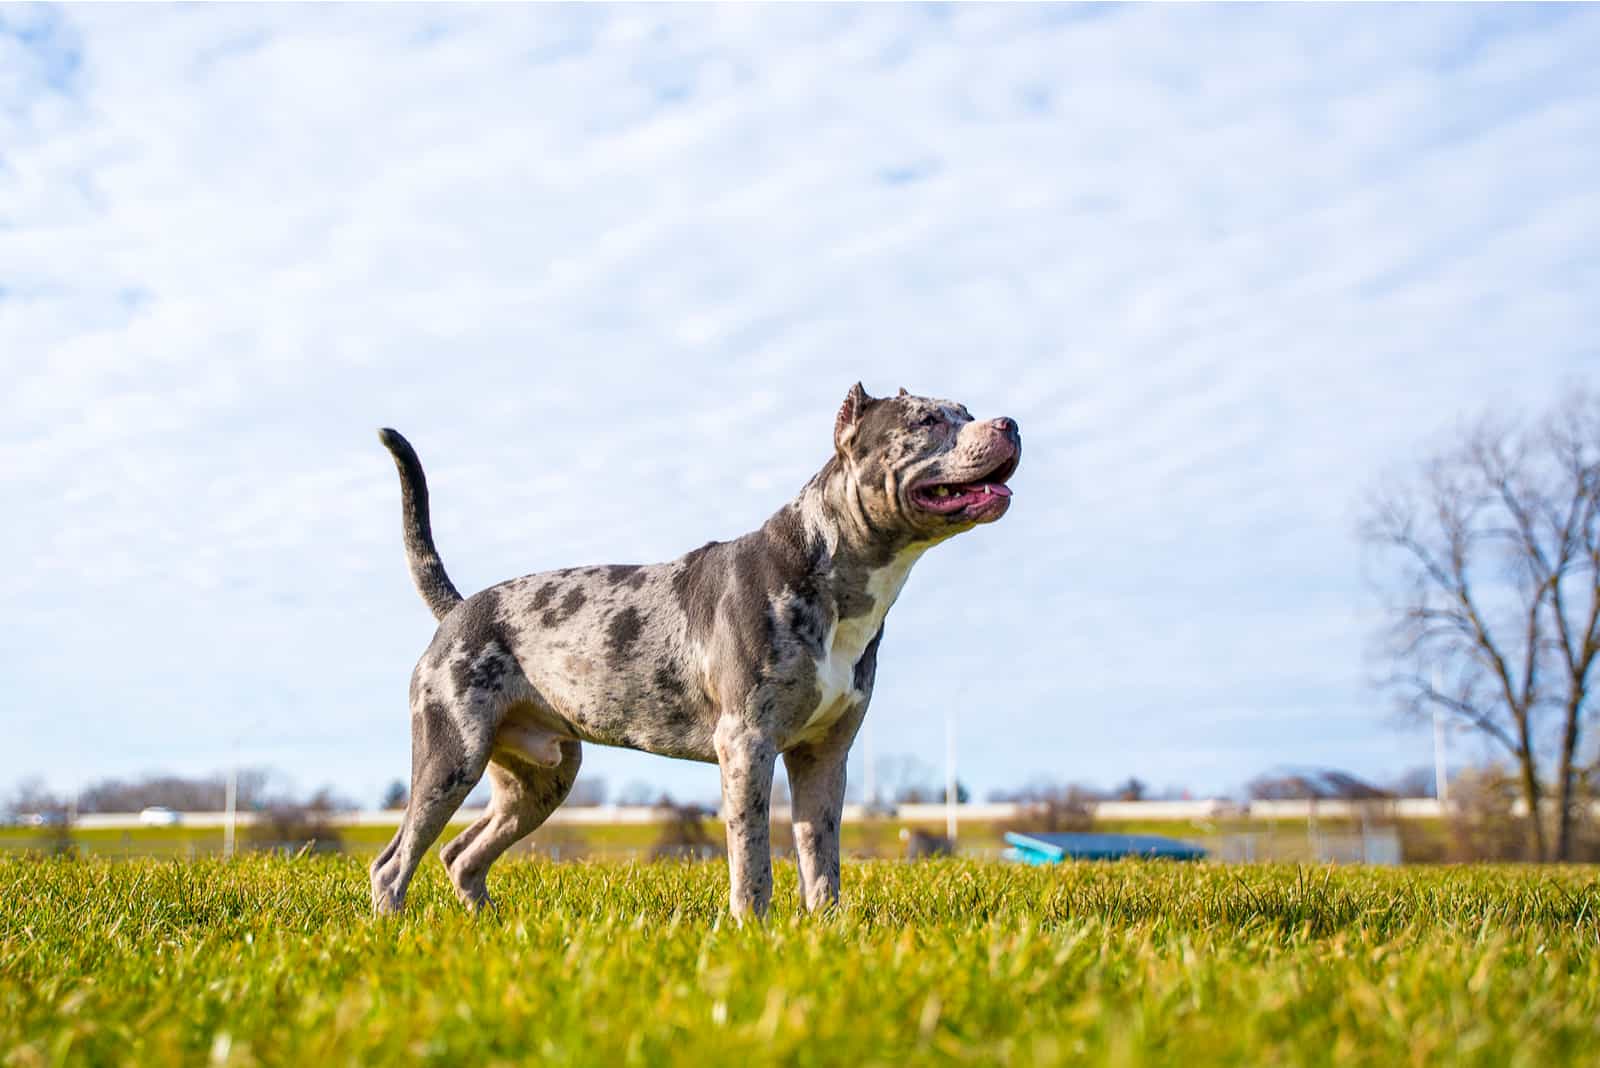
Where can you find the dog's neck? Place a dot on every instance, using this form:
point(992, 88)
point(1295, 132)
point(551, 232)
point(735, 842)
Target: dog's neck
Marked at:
point(838, 525)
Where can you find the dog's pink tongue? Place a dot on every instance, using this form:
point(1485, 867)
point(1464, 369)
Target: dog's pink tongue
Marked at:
point(994, 489)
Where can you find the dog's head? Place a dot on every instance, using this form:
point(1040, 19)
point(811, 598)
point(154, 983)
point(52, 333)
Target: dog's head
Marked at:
point(925, 467)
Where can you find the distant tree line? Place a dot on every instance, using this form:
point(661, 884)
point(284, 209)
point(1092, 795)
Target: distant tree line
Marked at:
point(257, 790)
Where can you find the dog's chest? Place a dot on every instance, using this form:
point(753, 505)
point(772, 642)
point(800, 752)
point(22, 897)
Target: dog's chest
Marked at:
point(846, 642)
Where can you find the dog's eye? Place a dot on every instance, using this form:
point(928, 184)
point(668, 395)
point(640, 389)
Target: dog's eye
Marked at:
point(931, 419)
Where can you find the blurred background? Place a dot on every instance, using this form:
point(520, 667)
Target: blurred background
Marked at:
point(1242, 275)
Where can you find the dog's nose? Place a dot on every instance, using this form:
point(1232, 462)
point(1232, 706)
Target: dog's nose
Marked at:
point(1006, 425)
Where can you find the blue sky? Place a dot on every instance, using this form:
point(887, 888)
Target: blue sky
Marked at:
point(613, 269)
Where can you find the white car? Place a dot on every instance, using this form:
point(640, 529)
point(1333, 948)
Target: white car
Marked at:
point(158, 816)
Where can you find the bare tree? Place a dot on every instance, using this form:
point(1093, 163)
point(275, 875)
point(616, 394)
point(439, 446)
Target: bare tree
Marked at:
point(1048, 805)
point(1415, 782)
point(963, 795)
point(202, 794)
point(1491, 560)
point(1313, 784)
point(33, 797)
point(1133, 789)
point(395, 796)
point(637, 793)
point(907, 780)
point(328, 799)
point(587, 792)
point(684, 833)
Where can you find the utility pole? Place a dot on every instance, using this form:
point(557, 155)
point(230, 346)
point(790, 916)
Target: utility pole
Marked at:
point(1441, 778)
point(230, 805)
point(872, 774)
point(950, 773)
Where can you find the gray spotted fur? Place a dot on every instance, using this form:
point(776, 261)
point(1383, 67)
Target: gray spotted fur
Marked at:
point(736, 653)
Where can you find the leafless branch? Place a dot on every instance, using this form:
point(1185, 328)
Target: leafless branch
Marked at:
point(1493, 563)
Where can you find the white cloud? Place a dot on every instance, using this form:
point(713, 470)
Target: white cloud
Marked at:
point(612, 269)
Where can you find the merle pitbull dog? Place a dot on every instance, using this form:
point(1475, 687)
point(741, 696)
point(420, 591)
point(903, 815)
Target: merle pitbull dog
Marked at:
point(737, 653)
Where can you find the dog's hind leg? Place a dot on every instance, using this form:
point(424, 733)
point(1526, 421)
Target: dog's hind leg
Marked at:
point(381, 862)
point(524, 796)
point(452, 849)
point(447, 759)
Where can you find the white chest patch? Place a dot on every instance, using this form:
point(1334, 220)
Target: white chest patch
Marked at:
point(848, 639)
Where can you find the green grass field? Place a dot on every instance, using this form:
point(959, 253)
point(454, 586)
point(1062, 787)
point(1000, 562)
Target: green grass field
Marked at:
point(276, 961)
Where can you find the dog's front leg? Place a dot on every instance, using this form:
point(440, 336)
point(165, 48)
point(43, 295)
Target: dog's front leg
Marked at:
point(816, 787)
point(747, 756)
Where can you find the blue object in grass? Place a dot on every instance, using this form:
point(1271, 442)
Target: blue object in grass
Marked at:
point(1050, 848)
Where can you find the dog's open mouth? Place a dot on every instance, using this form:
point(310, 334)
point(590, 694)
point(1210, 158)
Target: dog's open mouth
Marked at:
point(975, 496)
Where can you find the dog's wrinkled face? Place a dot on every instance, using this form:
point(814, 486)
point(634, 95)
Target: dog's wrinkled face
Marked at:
point(926, 466)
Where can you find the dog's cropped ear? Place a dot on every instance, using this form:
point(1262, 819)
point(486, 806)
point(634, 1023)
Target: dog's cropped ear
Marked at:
point(850, 413)
point(904, 392)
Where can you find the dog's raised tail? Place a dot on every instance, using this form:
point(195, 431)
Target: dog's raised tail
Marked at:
point(427, 570)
